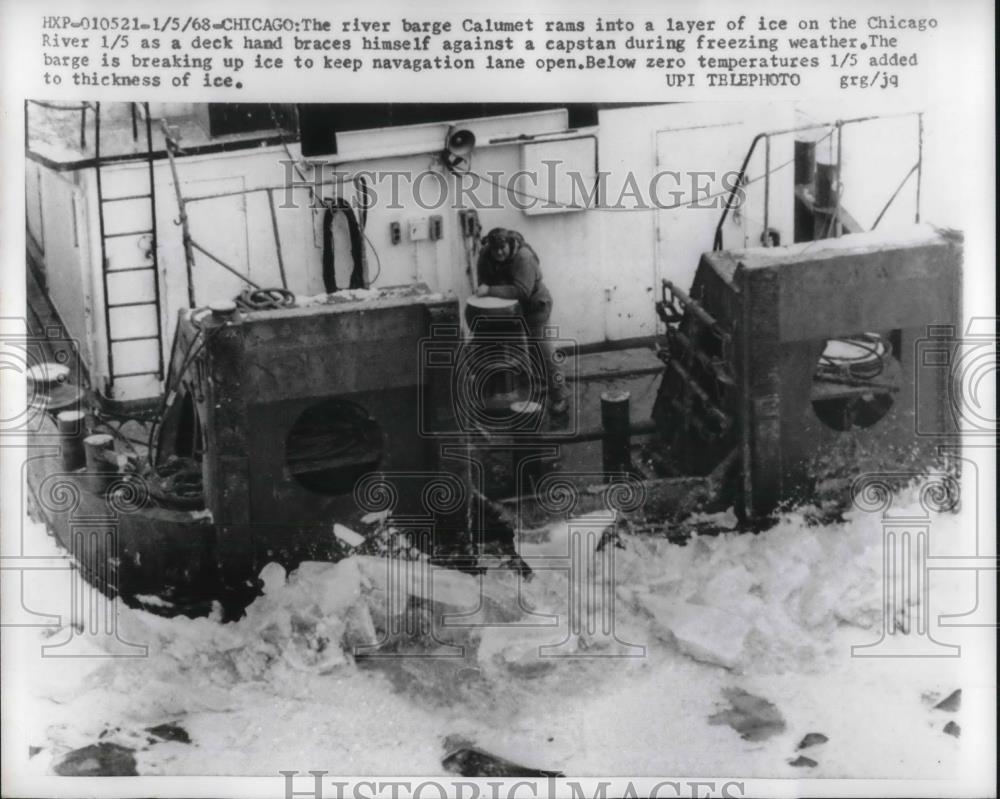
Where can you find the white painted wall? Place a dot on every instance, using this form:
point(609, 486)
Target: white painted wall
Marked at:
point(603, 266)
point(668, 243)
point(57, 219)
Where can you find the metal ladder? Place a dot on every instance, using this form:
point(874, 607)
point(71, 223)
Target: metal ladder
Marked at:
point(153, 305)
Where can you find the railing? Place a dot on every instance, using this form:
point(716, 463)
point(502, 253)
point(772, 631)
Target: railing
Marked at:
point(83, 108)
point(837, 128)
point(267, 297)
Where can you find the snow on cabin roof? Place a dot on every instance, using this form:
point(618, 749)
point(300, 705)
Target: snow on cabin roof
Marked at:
point(64, 134)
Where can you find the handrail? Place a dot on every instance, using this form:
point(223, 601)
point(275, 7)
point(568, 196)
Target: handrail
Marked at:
point(895, 194)
point(838, 126)
point(172, 146)
point(81, 107)
point(190, 245)
point(717, 241)
point(136, 110)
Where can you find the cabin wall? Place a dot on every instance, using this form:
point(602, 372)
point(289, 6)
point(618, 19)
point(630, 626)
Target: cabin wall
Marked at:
point(603, 265)
point(57, 222)
point(690, 147)
point(566, 243)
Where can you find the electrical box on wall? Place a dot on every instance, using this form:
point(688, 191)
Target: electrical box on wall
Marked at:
point(418, 228)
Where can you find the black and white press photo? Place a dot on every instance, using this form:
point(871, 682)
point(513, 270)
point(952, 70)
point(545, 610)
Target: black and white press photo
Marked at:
point(509, 442)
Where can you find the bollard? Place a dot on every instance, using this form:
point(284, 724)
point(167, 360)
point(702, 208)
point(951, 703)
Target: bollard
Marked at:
point(72, 431)
point(101, 468)
point(616, 441)
point(222, 310)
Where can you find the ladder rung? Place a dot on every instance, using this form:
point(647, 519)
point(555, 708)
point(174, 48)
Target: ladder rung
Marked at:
point(130, 269)
point(126, 197)
point(129, 233)
point(134, 338)
point(131, 304)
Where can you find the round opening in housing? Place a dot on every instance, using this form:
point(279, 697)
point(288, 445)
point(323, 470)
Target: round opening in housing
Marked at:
point(331, 445)
point(855, 381)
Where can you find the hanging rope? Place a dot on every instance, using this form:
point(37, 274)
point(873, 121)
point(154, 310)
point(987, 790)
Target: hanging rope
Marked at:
point(357, 237)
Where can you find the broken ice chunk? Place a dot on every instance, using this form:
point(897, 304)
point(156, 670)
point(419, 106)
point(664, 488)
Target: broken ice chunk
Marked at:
point(519, 650)
point(273, 577)
point(397, 580)
point(558, 539)
point(348, 536)
point(701, 632)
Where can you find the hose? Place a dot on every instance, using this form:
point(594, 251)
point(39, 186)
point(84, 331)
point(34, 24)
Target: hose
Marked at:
point(265, 299)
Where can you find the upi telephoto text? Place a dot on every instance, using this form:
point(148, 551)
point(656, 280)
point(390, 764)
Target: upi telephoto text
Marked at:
point(878, 51)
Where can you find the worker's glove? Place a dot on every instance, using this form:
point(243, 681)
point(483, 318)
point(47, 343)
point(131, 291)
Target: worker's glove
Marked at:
point(483, 290)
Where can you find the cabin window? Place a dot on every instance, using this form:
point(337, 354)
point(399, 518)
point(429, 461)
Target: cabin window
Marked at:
point(226, 119)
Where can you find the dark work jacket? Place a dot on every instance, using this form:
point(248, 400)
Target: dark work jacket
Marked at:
point(518, 278)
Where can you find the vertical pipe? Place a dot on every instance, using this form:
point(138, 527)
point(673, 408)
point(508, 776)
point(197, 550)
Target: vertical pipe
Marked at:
point(837, 186)
point(805, 162)
point(83, 127)
point(767, 187)
point(104, 245)
point(150, 171)
point(920, 158)
point(616, 443)
point(746, 419)
point(805, 174)
point(277, 238)
point(181, 213)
